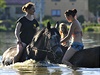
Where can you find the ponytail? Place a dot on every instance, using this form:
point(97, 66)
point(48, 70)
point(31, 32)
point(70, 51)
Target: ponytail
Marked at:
point(27, 6)
point(72, 12)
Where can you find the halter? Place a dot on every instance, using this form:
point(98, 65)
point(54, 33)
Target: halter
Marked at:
point(45, 46)
point(49, 46)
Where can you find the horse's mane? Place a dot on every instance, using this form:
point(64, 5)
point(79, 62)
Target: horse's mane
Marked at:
point(55, 30)
point(38, 34)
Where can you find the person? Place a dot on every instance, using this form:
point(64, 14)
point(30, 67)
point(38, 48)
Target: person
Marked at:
point(25, 29)
point(63, 30)
point(75, 32)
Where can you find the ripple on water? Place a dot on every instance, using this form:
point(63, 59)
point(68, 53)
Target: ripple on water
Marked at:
point(56, 70)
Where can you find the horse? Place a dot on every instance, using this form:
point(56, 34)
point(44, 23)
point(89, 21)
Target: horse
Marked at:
point(50, 44)
point(89, 58)
point(46, 40)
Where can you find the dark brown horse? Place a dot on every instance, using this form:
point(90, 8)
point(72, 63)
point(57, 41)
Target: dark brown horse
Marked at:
point(46, 41)
point(89, 57)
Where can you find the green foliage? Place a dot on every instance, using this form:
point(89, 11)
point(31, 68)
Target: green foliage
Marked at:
point(7, 25)
point(2, 4)
point(91, 28)
point(47, 19)
point(94, 6)
point(81, 19)
point(45, 22)
point(3, 28)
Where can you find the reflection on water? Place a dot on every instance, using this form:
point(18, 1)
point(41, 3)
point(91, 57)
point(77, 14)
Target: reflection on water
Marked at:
point(51, 71)
point(89, 39)
point(7, 39)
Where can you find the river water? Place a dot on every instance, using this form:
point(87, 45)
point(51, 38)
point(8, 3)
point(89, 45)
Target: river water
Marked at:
point(7, 39)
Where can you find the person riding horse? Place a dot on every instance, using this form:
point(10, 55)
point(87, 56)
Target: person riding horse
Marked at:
point(46, 41)
point(88, 57)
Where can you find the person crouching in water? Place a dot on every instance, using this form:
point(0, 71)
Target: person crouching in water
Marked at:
point(75, 31)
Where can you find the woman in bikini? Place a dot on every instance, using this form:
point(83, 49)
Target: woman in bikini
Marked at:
point(75, 32)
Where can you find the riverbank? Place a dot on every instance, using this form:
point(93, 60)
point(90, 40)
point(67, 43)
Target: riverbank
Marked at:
point(95, 29)
point(9, 26)
point(92, 29)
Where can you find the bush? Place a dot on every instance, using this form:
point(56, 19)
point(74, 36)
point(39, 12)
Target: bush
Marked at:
point(7, 25)
point(90, 29)
point(81, 19)
point(3, 28)
point(47, 19)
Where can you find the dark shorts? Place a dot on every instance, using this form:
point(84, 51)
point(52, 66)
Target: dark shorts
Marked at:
point(77, 46)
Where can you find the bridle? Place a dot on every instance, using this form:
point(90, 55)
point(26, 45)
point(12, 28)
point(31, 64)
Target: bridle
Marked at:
point(51, 48)
point(47, 46)
point(50, 45)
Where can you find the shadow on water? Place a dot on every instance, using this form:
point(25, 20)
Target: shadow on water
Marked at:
point(8, 39)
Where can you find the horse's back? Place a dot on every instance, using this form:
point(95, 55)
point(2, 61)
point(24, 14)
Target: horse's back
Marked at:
point(88, 57)
point(8, 55)
point(10, 51)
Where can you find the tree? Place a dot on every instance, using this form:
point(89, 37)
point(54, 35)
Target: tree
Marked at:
point(81, 18)
point(2, 4)
point(2, 8)
point(94, 6)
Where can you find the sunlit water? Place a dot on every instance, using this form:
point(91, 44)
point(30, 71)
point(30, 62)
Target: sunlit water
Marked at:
point(8, 39)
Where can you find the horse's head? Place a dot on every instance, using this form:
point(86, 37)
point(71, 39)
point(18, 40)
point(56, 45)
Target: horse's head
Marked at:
point(53, 40)
point(48, 40)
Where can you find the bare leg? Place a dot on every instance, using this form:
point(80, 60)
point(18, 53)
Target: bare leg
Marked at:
point(69, 53)
point(20, 48)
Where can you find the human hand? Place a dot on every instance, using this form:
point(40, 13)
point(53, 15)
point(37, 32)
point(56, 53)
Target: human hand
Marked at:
point(61, 41)
point(20, 43)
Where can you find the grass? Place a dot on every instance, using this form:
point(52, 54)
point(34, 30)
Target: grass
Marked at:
point(92, 29)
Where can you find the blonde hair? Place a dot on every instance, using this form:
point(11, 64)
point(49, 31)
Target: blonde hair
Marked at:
point(27, 6)
point(65, 27)
point(63, 33)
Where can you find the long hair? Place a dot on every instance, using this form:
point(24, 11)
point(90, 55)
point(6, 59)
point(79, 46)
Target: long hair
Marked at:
point(63, 30)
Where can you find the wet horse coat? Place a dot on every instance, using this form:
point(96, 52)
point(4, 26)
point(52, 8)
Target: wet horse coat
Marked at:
point(89, 57)
point(50, 43)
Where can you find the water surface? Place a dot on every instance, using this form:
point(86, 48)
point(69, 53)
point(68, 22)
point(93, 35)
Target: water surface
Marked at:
point(7, 39)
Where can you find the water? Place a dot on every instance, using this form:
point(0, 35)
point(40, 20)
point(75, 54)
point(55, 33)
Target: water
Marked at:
point(8, 39)
point(91, 39)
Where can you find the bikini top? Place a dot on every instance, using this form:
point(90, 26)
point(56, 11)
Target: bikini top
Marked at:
point(78, 32)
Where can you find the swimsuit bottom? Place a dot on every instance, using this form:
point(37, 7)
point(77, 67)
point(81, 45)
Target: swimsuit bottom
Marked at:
point(77, 46)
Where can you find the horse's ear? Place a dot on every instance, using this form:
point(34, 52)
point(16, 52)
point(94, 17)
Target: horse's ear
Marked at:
point(57, 25)
point(48, 25)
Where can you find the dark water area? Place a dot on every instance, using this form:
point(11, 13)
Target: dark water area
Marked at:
point(7, 39)
point(91, 39)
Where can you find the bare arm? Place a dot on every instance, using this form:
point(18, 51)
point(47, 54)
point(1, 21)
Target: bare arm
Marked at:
point(17, 31)
point(70, 32)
